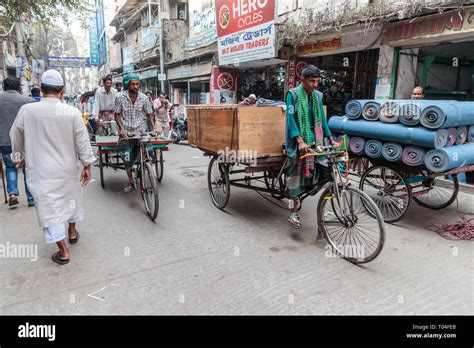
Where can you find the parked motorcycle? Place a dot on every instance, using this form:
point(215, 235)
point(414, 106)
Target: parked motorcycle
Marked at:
point(180, 129)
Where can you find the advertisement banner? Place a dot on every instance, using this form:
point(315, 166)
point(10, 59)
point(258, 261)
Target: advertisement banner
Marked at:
point(93, 40)
point(128, 55)
point(223, 85)
point(245, 30)
point(202, 24)
point(69, 62)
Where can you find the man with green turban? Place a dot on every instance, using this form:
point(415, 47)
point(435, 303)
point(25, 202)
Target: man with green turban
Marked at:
point(132, 109)
point(305, 125)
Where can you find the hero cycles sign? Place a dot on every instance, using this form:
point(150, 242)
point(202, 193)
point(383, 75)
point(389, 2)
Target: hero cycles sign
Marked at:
point(245, 30)
point(238, 15)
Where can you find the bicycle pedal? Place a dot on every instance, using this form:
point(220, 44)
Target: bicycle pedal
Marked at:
point(331, 196)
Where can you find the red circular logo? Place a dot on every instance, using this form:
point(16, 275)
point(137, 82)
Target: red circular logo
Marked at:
point(299, 68)
point(224, 16)
point(225, 81)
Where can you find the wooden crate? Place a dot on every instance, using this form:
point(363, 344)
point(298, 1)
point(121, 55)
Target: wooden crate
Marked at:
point(251, 129)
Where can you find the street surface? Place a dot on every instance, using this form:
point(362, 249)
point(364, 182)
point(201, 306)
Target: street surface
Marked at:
point(246, 260)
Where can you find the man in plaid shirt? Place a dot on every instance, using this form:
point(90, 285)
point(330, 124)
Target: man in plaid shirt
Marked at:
point(131, 108)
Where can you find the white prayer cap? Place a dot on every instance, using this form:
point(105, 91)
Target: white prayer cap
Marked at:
point(253, 96)
point(52, 78)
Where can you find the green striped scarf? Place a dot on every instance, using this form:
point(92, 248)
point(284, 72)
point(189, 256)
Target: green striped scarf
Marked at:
point(303, 113)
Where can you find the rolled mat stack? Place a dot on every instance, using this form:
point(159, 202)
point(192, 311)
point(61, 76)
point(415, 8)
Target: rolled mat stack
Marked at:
point(436, 134)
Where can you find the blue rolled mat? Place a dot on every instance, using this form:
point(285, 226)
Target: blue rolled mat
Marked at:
point(452, 134)
point(470, 134)
point(389, 112)
point(410, 110)
point(413, 155)
point(443, 160)
point(461, 135)
point(357, 145)
point(447, 114)
point(371, 110)
point(394, 132)
point(392, 152)
point(354, 108)
point(373, 148)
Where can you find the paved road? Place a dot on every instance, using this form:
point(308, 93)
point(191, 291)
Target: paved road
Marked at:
point(246, 260)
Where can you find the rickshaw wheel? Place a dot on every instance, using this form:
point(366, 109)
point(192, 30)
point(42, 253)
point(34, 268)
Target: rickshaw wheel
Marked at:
point(101, 169)
point(389, 189)
point(159, 166)
point(437, 196)
point(218, 183)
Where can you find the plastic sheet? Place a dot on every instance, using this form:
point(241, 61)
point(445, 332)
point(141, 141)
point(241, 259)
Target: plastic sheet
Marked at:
point(392, 151)
point(413, 155)
point(357, 145)
point(452, 134)
point(354, 108)
point(394, 132)
point(447, 114)
point(461, 135)
point(373, 148)
point(389, 112)
point(371, 111)
point(443, 160)
point(470, 134)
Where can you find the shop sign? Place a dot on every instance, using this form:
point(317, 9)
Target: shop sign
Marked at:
point(320, 46)
point(453, 22)
point(223, 85)
point(69, 62)
point(295, 67)
point(202, 25)
point(245, 30)
point(93, 40)
point(128, 55)
point(146, 74)
point(189, 70)
point(149, 38)
point(128, 68)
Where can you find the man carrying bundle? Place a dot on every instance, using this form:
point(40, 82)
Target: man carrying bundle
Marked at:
point(305, 125)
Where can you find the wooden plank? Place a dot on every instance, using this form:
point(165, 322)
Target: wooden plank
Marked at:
point(262, 130)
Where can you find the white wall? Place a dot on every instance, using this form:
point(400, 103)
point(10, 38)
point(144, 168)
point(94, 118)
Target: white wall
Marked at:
point(406, 73)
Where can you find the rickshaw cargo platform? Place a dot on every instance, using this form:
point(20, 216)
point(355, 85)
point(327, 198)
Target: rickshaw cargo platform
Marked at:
point(241, 131)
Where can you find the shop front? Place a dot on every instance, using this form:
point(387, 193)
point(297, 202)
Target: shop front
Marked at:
point(348, 63)
point(190, 84)
point(435, 52)
point(247, 43)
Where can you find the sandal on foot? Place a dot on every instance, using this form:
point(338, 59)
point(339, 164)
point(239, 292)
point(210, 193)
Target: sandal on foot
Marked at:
point(59, 261)
point(294, 220)
point(13, 200)
point(74, 240)
point(129, 188)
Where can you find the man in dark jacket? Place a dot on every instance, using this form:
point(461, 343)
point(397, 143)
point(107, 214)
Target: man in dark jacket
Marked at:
point(11, 101)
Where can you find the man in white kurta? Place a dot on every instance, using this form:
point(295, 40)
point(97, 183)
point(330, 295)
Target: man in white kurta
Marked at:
point(55, 144)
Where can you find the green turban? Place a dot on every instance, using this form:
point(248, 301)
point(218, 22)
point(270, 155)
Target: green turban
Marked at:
point(127, 78)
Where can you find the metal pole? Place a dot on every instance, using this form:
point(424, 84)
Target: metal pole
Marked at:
point(162, 67)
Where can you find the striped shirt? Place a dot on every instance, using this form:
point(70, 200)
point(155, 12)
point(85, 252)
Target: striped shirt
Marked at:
point(133, 114)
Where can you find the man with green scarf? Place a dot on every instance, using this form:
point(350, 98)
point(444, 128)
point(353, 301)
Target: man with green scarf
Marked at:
point(306, 124)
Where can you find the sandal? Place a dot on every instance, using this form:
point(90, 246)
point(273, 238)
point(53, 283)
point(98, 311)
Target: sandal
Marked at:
point(59, 261)
point(74, 241)
point(13, 200)
point(294, 220)
point(129, 188)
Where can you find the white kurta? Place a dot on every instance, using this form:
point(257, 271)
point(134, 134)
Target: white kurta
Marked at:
point(55, 141)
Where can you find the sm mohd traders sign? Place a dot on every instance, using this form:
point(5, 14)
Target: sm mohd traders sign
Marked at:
point(245, 30)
